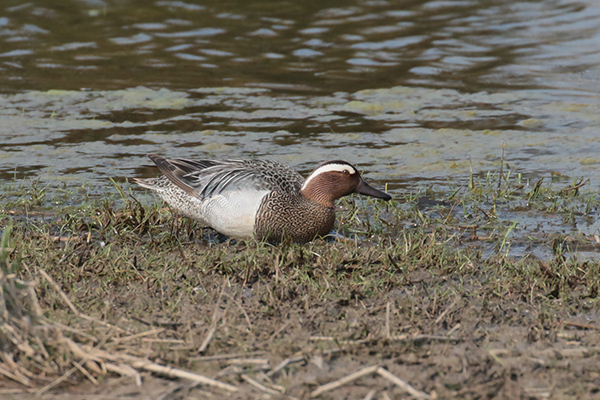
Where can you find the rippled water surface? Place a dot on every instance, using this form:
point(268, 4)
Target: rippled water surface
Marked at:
point(414, 92)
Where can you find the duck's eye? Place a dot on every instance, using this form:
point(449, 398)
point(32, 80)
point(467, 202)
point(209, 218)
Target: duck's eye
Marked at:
point(345, 172)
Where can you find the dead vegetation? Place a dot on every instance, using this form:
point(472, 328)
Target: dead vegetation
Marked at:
point(423, 299)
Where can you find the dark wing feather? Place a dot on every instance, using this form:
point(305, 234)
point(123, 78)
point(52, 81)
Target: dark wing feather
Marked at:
point(172, 172)
point(189, 166)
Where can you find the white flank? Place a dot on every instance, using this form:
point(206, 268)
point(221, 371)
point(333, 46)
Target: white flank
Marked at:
point(233, 212)
point(329, 168)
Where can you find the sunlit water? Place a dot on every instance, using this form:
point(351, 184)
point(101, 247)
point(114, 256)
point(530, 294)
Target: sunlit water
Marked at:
point(415, 93)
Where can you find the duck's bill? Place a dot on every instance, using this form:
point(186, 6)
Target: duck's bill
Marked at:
point(368, 190)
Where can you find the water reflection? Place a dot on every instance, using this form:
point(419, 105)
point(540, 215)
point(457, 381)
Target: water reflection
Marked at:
point(467, 44)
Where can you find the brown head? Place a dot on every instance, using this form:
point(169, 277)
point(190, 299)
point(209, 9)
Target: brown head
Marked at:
point(336, 179)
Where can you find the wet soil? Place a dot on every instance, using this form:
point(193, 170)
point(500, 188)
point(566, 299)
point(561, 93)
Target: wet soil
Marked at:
point(445, 321)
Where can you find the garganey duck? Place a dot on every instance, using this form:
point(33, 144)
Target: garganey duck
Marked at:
point(260, 199)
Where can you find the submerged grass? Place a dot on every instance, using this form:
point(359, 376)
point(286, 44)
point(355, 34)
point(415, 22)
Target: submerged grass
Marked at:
point(428, 287)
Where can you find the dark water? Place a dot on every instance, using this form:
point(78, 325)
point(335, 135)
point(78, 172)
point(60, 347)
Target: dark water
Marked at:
point(313, 46)
point(414, 92)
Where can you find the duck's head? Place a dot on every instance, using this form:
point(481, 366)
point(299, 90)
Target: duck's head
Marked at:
point(336, 179)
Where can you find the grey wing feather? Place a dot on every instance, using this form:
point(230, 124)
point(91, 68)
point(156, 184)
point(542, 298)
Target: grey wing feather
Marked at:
point(206, 178)
point(223, 179)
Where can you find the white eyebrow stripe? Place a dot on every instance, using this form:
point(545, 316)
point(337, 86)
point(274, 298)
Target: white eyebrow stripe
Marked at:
point(328, 168)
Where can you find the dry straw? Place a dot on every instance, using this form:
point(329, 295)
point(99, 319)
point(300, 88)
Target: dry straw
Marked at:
point(29, 342)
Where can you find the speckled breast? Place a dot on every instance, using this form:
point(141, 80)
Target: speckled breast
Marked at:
point(283, 217)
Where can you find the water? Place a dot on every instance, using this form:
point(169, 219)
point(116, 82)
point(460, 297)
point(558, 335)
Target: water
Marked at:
point(415, 93)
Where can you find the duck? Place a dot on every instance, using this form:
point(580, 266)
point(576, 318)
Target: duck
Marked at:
point(257, 199)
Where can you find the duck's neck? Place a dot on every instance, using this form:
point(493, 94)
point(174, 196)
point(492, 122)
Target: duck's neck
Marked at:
point(320, 197)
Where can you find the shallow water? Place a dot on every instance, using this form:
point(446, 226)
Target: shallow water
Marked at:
point(417, 93)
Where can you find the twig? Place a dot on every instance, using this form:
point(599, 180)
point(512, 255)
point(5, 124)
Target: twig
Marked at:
point(388, 331)
point(125, 370)
point(98, 368)
point(78, 352)
point(403, 385)
point(178, 373)
point(370, 395)
point(209, 336)
point(14, 391)
point(67, 239)
point(269, 383)
point(403, 337)
point(35, 303)
point(60, 379)
point(42, 347)
point(71, 305)
point(147, 365)
point(341, 382)
point(278, 331)
point(575, 187)
point(59, 290)
point(85, 372)
point(230, 370)
point(226, 356)
point(16, 368)
point(21, 379)
point(583, 326)
point(450, 211)
point(451, 331)
point(213, 321)
point(284, 364)
point(249, 361)
point(495, 355)
point(259, 386)
point(447, 310)
point(56, 324)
